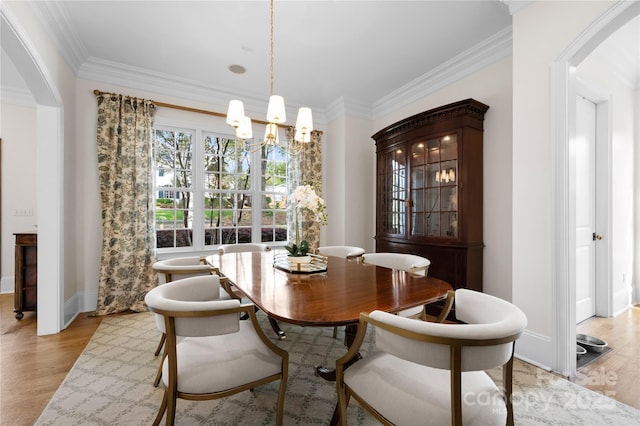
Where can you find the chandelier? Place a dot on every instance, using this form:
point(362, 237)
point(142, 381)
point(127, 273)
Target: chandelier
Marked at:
point(276, 116)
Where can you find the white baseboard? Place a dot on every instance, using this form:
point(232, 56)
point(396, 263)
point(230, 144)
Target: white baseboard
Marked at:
point(535, 349)
point(79, 302)
point(7, 284)
point(622, 300)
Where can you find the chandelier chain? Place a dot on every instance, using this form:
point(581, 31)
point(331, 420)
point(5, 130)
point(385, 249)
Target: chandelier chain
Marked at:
point(271, 51)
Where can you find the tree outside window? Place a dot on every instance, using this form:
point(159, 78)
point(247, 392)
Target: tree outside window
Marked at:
point(206, 192)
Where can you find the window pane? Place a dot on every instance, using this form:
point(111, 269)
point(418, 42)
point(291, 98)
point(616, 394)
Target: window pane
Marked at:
point(244, 218)
point(227, 218)
point(280, 218)
point(225, 189)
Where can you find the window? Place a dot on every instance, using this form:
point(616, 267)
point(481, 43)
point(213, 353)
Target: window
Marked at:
point(211, 190)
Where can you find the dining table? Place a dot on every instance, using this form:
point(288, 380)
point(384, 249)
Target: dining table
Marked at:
point(326, 298)
point(329, 292)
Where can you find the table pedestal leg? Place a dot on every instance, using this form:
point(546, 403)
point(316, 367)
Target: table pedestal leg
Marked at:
point(349, 335)
point(276, 328)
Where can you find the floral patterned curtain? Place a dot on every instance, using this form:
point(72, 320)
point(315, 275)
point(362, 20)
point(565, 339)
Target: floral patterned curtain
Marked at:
point(305, 168)
point(126, 190)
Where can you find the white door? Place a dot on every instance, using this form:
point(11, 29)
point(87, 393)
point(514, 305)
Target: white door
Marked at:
point(585, 149)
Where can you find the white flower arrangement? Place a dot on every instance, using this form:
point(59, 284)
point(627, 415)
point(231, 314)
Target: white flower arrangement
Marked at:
point(305, 197)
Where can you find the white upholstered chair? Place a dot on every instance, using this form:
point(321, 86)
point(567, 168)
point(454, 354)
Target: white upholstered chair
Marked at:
point(182, 267)
point(403, 262)
point(347, 252)
point(211, 353)
point(178, 268)
point(428, 372)
point(242, 248)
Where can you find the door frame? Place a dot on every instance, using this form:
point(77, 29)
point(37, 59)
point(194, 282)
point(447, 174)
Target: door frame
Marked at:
point(49, 182)
point(563, 85)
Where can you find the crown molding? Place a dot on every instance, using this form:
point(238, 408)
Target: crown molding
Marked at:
point(622, 66)
point(17, 96)
point(516, 5)
point(103, 71)
point(467, 63)
point(621, 54)
point(348, 107)
point(56, 21)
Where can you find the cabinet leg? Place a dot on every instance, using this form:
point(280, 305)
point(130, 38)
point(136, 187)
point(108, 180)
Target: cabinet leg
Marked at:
point(19, 315)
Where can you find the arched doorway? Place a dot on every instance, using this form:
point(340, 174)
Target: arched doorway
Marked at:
point(563, 125)
point(20, 49)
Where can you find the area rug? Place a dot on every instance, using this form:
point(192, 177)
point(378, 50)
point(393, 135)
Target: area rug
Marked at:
point(111, 384)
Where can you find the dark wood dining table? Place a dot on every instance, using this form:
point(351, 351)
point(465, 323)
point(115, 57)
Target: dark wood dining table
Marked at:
point(331, 298)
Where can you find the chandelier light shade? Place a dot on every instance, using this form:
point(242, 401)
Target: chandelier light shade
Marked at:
point(276, 114)
point(304, 125)
point(235, 113)
point(271, 134)
point(244, 130)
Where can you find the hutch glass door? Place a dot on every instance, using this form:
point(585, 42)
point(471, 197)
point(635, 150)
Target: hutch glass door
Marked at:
point(392, 174)
point(434, 188)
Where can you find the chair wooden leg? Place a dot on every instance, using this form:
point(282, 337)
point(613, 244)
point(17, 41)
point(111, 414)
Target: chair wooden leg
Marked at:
point(335, 332)
point(281, 397)
point(156, 381)
point(163, 408)
point(448, 304)
point(171, 409)
point(159, 348)
point(507, 379)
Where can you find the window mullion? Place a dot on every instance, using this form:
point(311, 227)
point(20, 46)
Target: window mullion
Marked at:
point(198, 191)
point(256, 196)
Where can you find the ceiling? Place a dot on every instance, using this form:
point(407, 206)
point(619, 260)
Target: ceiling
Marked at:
point(325, 51)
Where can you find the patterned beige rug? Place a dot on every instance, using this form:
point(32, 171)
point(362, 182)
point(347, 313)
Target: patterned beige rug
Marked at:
point(111, 384)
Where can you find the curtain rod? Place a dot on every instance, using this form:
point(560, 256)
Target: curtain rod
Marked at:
point(181, 108)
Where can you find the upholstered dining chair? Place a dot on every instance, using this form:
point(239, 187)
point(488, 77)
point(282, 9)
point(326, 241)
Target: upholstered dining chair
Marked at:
point(423, 370)
point(403, 262)
point(347, 252)
point(178, 268)
point(211, 353)
point(242, 248)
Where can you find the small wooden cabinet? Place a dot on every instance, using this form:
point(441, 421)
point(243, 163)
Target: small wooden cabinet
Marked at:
point(26, 273)
point(429, 190)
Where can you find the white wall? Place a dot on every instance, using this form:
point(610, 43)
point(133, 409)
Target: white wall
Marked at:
point(18, 132)
point(334, 189)
point(348, 168)
point(360, 184)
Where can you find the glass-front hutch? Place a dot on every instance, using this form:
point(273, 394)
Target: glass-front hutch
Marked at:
point(429, 190)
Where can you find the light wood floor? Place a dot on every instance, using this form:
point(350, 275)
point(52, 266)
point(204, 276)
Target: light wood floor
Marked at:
point(617, 372)
point(33, 367)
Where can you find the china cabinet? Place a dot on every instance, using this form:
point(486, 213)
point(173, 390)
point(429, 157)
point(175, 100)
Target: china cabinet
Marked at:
point(429, 190)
